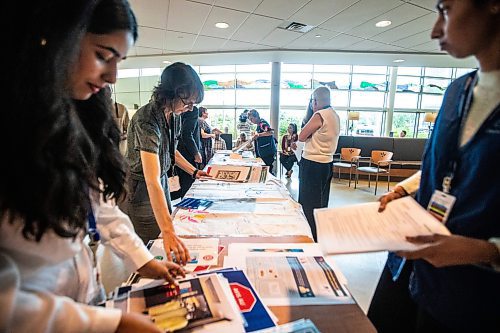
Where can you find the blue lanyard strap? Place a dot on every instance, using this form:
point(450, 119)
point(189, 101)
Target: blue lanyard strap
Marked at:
point(92, 232)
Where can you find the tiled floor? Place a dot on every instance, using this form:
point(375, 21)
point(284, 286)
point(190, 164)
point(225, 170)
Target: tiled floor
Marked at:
point(361, 270)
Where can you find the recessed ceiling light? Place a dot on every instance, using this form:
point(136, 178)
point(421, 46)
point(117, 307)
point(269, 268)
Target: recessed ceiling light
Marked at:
point(398, 60)
point(383, 24)
point(317, 36)
point(166, 62)
point(222, 25)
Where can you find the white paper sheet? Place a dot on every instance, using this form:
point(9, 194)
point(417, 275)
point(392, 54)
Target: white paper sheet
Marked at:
point(361, 228)
point(298, 151)
point(290, 279)
point(203, 251)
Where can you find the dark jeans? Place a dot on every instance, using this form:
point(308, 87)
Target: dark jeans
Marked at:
point(140, 210)
point(393, 310)
point(269, 161)
point(287, 161)
point(314, 188)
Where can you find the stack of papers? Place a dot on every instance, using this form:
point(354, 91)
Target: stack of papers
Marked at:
point(361, 228)
point(289, 273)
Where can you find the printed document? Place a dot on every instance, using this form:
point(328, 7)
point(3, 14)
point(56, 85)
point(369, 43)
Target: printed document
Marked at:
point(361, 228)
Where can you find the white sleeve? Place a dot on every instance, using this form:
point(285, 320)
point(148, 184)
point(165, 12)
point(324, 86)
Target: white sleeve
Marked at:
point(117, 231)
point(39, 312)
point(411, 184)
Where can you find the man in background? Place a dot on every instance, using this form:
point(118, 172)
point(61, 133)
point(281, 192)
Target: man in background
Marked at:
point(321, 135)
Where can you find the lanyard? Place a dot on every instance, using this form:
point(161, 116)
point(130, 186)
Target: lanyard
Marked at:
point(171, 144)
point(464, 108)
point(93, 233)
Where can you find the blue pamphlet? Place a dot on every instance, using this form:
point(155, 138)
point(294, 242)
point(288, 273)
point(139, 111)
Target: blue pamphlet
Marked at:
point(193, 203)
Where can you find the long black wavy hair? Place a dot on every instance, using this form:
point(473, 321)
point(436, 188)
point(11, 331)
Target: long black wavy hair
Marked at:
point(55, 149)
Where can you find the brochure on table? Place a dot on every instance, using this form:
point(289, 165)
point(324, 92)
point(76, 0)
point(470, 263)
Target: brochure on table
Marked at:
point(203, 251)
point(200, 304)
point(289, 274)
point(361, 228)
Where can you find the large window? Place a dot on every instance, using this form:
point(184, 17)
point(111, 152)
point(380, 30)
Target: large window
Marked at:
point(229, 89)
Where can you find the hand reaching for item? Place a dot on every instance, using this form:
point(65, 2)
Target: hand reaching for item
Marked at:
point(172, 243)
point(156, 269)
point(397, 193)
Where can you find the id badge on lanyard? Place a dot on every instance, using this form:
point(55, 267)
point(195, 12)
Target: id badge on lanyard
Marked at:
point(440, 205)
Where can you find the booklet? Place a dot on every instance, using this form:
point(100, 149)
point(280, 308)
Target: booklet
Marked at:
point(195, 302)
point(256, 314)
point(193, 203)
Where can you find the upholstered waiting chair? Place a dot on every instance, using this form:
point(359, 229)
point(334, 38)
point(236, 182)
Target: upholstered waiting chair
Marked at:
point(379, 160)
point(348, 160)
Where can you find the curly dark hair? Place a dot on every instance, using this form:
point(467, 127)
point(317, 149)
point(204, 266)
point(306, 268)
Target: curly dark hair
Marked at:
point(56, 149)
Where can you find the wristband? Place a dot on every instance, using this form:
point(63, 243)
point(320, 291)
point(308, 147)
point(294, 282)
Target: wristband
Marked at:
point(194, 173)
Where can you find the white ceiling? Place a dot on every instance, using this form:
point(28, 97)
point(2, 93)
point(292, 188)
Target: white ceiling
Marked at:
point(184, 30)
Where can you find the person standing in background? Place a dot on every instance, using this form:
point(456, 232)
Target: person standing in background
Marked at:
point(265, 144)
point(122, 119)
point(207, 134)
point(219, 143)
point(244, 126)
point(287, 156)
point(189, 146)
point(321, 135)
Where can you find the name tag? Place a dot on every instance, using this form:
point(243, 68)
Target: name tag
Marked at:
point(173, 184)
point(440, 205)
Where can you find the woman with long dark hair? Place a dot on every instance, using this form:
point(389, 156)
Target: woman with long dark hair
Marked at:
point(64, 169)
point(287, 155)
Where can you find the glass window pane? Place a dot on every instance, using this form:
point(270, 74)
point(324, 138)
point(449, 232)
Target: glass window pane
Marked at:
point(296, 68)
point(370, 69)
point(369, 124)
point(254, 68)
point(128, 99)
point(438, 72)
point(248, 80)
point(222, 119)
point(218, 81)
point(339, 98)
point(147, 83)
point(217, 69)
point(405, 101)
point(435, 86)
point(463, 71)
point(410, 71)
point(367, 99)
point(408, 83)
point(369, 82)
point(130, 84)
point(296, 80)
point(403, 121)
point(431, 101)
point(295, 97)
point(124, 73)
point(145, 97)
point(288, 116)
point(333, 81)
point(219, 97)
point(253, 97)
point(343, 122)
point(151, 72)
point(332, 68)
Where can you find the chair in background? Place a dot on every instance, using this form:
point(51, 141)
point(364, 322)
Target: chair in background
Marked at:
point(348, 160)
point(379, 160)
